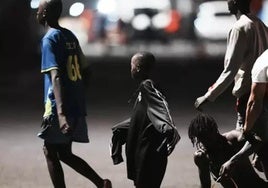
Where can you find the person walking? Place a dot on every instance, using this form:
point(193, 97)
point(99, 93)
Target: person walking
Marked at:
point(64, 98)
point(246, 41)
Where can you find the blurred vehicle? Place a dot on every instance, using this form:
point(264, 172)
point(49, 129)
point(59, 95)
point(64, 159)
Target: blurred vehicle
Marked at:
point(213, 21)
point(142, 20)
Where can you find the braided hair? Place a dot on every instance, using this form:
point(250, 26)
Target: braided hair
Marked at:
point(200, 127)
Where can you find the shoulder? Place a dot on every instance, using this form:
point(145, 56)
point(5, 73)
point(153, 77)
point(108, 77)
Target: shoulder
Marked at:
point(67, 32)
point(261, 62)
point(260, 68)
point(148, 86)
point(147, 83)
point(245, 23)
point(52, 34)
point(232, 136)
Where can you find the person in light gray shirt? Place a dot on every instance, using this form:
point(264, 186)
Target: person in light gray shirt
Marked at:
point(246, 41)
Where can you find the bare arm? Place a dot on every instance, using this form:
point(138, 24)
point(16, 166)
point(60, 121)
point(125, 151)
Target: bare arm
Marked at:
point(202, 163)
point(57, 88)
point(252, 144)
point(254, 106)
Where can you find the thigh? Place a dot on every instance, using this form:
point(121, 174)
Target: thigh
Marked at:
point(52, 133)
point(50, 151)
point(55, 149)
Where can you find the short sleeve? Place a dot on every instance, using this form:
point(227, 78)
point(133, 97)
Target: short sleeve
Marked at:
point(49, 59)
point(260, 76)
point(260, 68)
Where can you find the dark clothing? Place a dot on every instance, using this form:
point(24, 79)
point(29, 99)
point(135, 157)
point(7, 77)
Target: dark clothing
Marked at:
point(119, 138)
point(147, 134)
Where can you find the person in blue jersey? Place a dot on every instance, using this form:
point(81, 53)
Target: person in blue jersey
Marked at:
point(64, 118)
point(150, 134)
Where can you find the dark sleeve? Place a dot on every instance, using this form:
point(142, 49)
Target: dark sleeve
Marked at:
point(118, 139)
point(158, 112)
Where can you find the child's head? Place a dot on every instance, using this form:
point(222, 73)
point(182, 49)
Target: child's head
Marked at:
point(141, 65)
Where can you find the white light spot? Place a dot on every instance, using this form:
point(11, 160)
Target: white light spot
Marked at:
point(141, 22)
point(106, 6)
point(161, 20)
point(76, 9)
point(35, 4)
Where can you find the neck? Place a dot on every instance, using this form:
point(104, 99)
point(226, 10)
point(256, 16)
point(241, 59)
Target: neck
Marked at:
point(239, 14)
point(52, 25)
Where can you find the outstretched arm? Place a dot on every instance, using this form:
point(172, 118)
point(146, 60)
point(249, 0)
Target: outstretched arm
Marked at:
point(236, 47)
point(253, 143)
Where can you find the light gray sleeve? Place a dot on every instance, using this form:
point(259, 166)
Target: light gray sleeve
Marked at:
point(236, 48)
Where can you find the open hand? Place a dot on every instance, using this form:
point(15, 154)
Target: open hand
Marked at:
point(226, 169)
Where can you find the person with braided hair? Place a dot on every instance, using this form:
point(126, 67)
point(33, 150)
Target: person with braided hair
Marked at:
point(214, 149)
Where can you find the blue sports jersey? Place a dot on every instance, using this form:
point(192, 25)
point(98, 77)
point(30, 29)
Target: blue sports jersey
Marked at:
point(61, 51)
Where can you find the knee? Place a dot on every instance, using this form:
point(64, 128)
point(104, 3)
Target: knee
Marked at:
point(200, 158)
point(50, 155)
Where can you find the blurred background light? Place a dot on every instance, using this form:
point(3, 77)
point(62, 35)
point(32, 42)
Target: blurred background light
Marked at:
point(161, 20)
point(34, 4)
point(159, 4)
point(106, 6)
point(76, 9)
point(141, 22)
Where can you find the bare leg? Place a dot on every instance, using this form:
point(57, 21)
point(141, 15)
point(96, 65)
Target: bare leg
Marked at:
point(79, 165)
point(54, 166)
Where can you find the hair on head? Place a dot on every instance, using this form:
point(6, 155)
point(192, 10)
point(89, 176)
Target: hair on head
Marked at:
point(244, 5)
point(54, 8)
point(201, 126)
point(146, 60)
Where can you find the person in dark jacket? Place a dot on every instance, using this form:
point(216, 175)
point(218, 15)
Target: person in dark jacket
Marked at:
point(150, 134)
